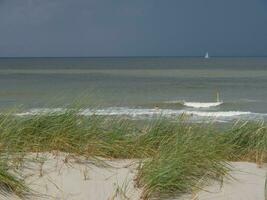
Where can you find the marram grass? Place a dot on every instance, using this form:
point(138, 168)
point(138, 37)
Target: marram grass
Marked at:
point(176, 156)
point(249, 140)
point(187, 157)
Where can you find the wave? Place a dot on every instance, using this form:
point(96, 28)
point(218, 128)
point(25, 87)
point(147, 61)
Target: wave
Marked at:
point(196, 104)
point(221, 114)
point(148, 113)
point(161, 112)
point(202, 104)
point(43, 111)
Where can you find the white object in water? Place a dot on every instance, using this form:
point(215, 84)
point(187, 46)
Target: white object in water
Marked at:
point(202, 105)
point(207, 55)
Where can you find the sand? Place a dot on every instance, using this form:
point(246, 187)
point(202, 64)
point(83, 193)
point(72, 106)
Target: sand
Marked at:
point(247, 183)
point(63, 177)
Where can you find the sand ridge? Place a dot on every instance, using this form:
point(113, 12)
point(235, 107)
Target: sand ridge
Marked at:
point(66, 177)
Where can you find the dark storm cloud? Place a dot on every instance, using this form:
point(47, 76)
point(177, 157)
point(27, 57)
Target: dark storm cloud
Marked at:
point(132, 28)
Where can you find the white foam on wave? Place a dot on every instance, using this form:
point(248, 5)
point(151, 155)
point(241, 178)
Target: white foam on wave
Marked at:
point(143, 113)
point(163, 112)
point(42, 111)
point(202, 104)
point(220, 114)
point(134, 112)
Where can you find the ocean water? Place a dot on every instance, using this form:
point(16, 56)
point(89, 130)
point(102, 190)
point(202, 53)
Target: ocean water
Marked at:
point(138, 87)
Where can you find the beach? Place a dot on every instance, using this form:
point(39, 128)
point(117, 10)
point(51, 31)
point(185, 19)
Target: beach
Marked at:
point(133, 100)
point(71, 156)
point(62, 176)
point(247, 182)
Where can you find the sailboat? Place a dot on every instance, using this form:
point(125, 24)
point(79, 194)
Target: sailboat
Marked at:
point(207, 55)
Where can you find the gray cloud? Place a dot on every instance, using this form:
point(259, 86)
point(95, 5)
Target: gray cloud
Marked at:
point(132, 28)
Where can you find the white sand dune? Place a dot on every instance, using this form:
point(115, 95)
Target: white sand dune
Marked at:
point(66, 178)
point(81, 179)
point(247, 183)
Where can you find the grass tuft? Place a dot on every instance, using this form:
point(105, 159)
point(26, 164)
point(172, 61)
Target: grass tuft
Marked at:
point(176, 156)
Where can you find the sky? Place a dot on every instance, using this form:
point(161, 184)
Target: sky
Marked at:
point(70, 28)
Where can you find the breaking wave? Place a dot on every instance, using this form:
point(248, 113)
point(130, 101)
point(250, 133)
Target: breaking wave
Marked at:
point(148, 113)
point(196, 104)
point(202, 105)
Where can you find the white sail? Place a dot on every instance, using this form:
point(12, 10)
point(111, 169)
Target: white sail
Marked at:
point(207, 55)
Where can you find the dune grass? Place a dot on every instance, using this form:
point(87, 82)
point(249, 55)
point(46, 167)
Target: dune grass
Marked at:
point(11, 182)
point(249, 140)
point(176, 156)
point(265, 188)
point(187, 158)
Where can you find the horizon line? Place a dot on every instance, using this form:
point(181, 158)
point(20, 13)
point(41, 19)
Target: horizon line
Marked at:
point(22, 57)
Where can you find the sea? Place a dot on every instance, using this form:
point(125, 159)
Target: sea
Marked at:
point(222, 89)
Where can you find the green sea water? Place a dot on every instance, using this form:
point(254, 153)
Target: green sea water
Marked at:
point(135, 83)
